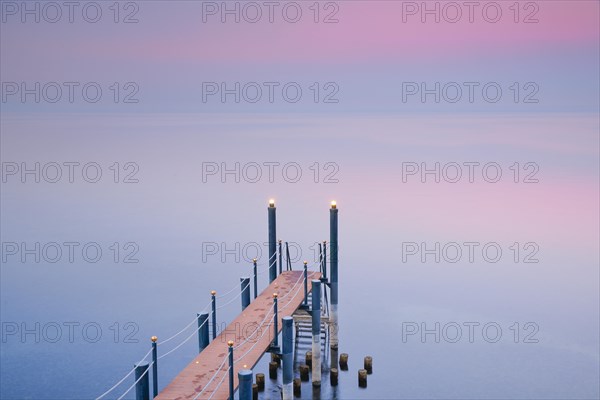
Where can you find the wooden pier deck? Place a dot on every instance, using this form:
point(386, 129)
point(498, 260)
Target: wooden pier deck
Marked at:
point(199, 375)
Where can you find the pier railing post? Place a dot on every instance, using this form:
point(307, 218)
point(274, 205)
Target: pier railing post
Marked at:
point(230, 344)
point(320, 257)
point(275, 326)
point(288, 357)
point(255, 278)
point(142, 387)
point(203, 340)
point(305, 284)
point(325, 259)
point(272, 241)
point(316, 332)
point(245, 384)
point(288, 261)
point(333, 246)
point(154, 367)
point(214, 313)
point(245, 282)
point(280, 258)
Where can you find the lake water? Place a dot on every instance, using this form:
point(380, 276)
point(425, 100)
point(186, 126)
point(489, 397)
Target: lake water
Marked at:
point(512, 314)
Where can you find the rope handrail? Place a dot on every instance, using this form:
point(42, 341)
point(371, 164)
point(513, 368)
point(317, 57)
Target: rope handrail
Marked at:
point(227, 293)
point(255, 343)
point(269, 312)
point(260, 264)
point(185, 341)
point(297, 290)
point(262, 271)
point(125, 377)
point(299, 279)
point(265, 330)
point(183, 330)
point(219, 384)
point(136, 382)
point(213, 377)
point(235, 298)
point(257, 328)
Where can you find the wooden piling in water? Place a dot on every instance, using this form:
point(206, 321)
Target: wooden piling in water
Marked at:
point(344, 362)
point(333, 376)
point(303, 372)
point(297, 387)
point(308, 359)
point(276, 358)
point(362, 378)
point(255, 392)
point(369, 364)
point(260, 382)
point(273, 367)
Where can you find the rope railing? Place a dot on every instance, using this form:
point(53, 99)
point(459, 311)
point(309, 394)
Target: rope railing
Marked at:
point(257, 340)
point(257, 328)
point(222, 296)
point(301, 278)
point(235, 298)
point(136, 382)
point(288, 303)
point(185, 341)
point(184, 329)
point(125, 377)
point(213, 377)
point(249, 337)
point(268, 314)
point(262, 271)
point(239, 359)
point(219, 384)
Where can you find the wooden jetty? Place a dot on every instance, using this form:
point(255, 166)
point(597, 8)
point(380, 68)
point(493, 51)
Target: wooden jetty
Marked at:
point(252, 332)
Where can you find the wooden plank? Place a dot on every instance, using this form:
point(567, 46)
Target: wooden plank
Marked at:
point(252, 331)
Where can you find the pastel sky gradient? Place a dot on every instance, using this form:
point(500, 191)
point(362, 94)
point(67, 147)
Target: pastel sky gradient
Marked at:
point(369, 52)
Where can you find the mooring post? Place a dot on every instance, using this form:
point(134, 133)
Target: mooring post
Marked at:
point(255, 279)
point(230, 344)
point(245, 384)
point(214, 314)
point(325, 258)
point(275, 316)
point(272, 241)
point(154, 367)
point(142, 387)
point(280, 258)
point(245, 282)
point(202, 331)
point(305, 284)
point(287, 355)
point(316, 332)
point(333, 246)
